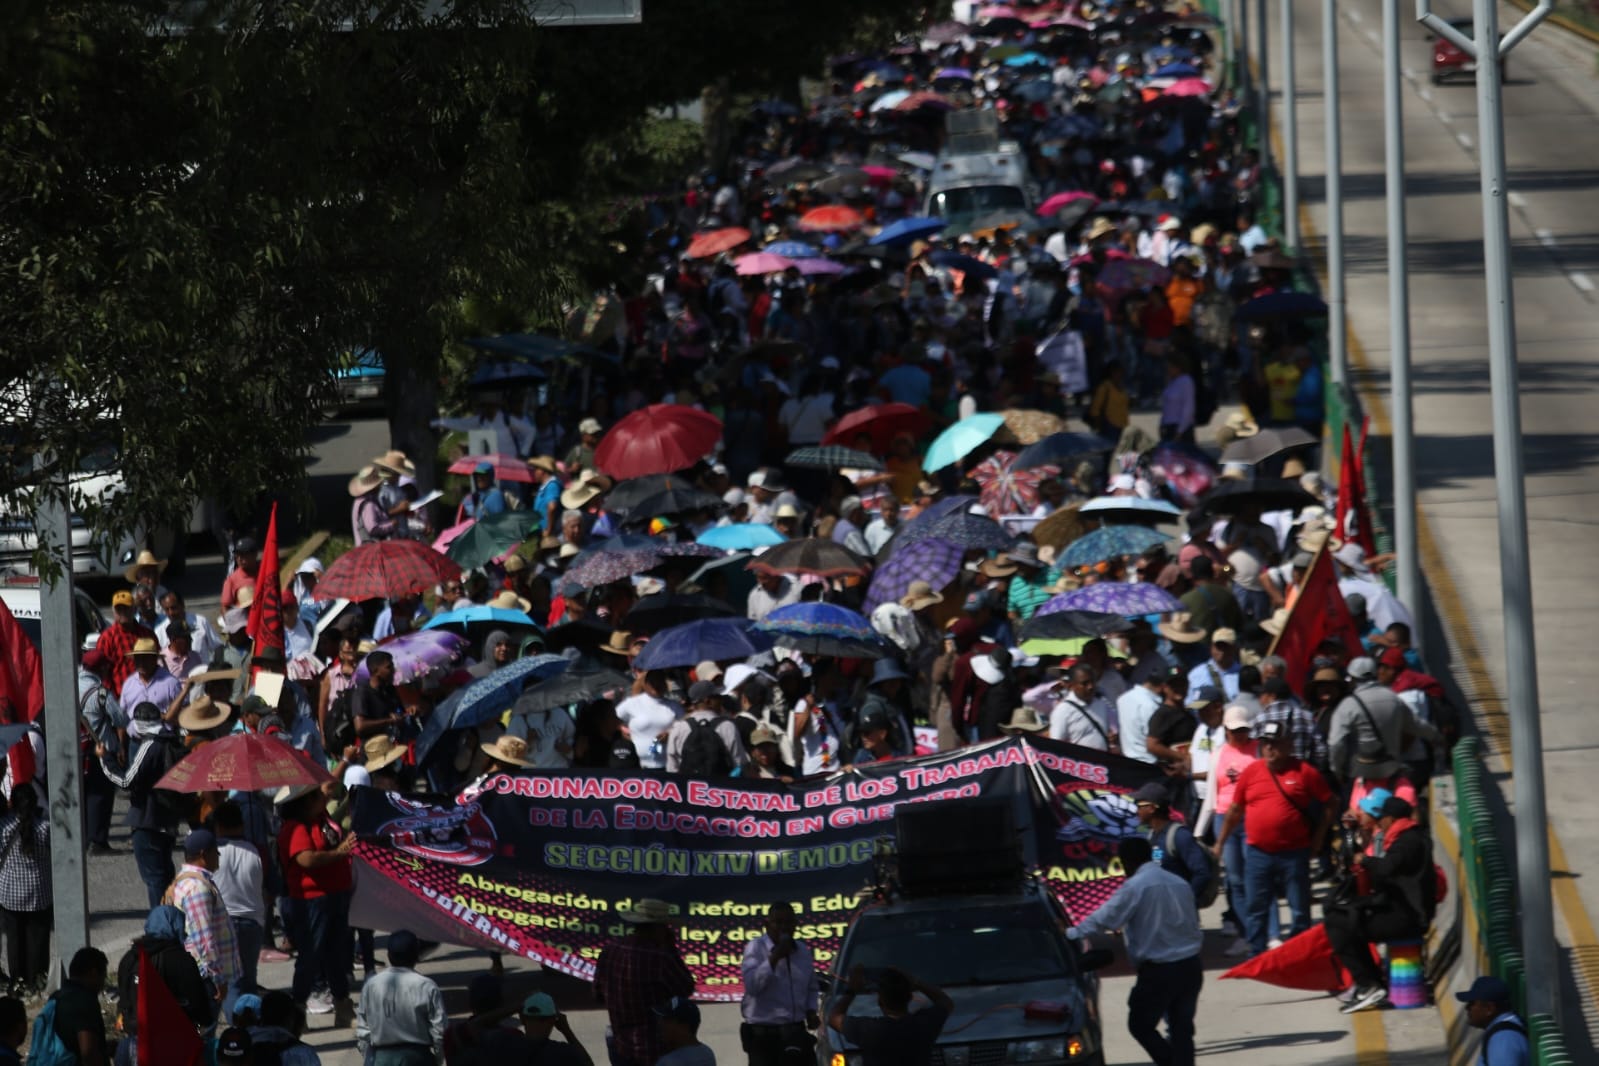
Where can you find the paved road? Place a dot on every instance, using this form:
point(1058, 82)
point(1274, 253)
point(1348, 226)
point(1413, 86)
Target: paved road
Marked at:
point(1552, 109)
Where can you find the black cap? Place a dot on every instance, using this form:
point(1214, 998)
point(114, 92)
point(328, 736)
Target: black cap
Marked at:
point(233, 1045)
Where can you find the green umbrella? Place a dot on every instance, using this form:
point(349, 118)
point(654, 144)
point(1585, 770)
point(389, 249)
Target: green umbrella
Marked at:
point(490, 537)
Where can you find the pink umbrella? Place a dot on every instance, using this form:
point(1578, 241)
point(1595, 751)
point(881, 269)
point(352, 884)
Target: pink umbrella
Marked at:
point(760, 263)
point(442, 541)
point(819, 265)
point(1189, 87)
point(1061, 199)
point(880, 175)
point(996, 11)
point(506, 467)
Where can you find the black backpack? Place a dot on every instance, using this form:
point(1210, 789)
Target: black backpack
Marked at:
point(704, 754)
point(271, 1054)
point(340, 725)
point(1213, 888)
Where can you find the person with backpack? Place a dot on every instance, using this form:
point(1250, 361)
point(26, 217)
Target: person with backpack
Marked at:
point(153, 813)
point(705, 742)
point(1490, 1008)
point(162, 945)
point(275, 1037)
point(102, 716)
point(71, 1027)
point(1174, 845)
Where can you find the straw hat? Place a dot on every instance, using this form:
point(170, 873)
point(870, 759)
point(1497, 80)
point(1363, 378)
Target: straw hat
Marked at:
point(145, 646)
point(569, 550)
point(920, 594)
point(582, 492)
point(508, 749)
point(1180, 629)
point(1237, 426)
point(1102, 227)
point(1313, 539)
point(545, 463)
point(244, 597)
point(1294, 467)
point(648, 912)
point(999, 566)
point(1024, 720)
point(515, 564)
point(380, 751)
point(204, 714)
point(289, 793)
point(510, 601)
point(619, 643)
point(210, 672)
point(365, 480)
point(395, 462)
point(1274, 625)
point(146, 558)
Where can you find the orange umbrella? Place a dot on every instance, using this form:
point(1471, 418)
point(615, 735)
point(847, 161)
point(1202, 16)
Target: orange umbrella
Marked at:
point(716, 241)
point(831, 218)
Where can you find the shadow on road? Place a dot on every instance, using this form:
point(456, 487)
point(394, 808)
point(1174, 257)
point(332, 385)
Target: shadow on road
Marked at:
point(1450, 462)
point(1373, 186)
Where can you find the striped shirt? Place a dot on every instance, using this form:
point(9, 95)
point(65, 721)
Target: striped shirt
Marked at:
point(1309, 744)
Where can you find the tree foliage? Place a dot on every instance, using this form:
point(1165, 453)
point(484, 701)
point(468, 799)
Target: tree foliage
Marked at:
point(195, 229)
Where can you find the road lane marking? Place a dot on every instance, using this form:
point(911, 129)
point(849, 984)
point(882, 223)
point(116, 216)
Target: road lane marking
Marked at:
point(1545, 238)
point(1425, 94)
point(1354, 16)
point(1465, 141)
point(1371, 1039)
point(1581, 281)
point(1445, 117)
point(1518, 201)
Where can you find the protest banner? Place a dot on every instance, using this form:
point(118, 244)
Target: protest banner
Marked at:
point(544, 865)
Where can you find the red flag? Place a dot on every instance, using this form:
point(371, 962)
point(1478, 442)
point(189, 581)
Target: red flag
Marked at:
point(1318, 614)
point(1353, 524)
point(21, 671)
point(1305, 961)
point(266, 611)
point(166, 1034)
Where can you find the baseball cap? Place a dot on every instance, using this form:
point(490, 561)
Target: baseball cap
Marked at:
point(707, 671)
point(700, 691)
point(1485, 990)
point(589, 425)
point(199, 842)
point(1371, 803)
point(1205, 694)
point(1224, 635)
point(679, 1009)
point(1394, 657)
point(1152, 792)
point(1362, 668)
point(1275, 732)
point(539, 1005)
point(483, 468)
point(122, 598)
point(762, 735)
point(233, 1045)
point(1236, 716)
point(249, 1001)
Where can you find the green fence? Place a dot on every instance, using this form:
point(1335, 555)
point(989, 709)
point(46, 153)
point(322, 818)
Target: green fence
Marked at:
point(1490, 893)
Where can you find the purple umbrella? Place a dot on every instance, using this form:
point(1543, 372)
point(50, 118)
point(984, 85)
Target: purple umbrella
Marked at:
point(619, 558)
point(931, 560)
point(954, 73)
point(819, 266)
point(416, 655)
point(921, 526)
point(1115, 597)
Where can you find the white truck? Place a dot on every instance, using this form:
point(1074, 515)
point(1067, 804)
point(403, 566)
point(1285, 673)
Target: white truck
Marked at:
point(977, 174)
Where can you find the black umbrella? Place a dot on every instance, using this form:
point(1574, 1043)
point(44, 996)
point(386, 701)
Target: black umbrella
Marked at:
point(1059, 449)
point(674, 608)
point(1265, 444)
point(628, 495)
point(583, 680)
point(832, 457)
point(585, 634)
point(972, 531)
point(1262, 493)
point(1074, 212)
point(1281, 306)
point(1068, 625)
point(792, 170)
point(672, 501)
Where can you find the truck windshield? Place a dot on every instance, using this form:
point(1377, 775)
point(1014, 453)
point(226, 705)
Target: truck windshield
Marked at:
point(977, 200)
point(987, 944)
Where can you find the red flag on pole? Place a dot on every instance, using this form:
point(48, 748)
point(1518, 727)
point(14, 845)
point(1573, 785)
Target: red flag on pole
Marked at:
point(266, 611)
point(166, 1034)
point(21, 671)
point(1353, 524)
point(1318, 614)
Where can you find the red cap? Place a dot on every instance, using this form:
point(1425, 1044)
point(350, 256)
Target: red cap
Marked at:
point(93, 661)
point(1394, 657)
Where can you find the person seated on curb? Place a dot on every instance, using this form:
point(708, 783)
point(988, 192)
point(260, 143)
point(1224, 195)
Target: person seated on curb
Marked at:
point(1395, 896)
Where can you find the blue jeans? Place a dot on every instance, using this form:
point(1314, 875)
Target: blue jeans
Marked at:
point(1266, 874)
point(322, 944)
point(152, 851)
point(250, 936)
point(1232, 860)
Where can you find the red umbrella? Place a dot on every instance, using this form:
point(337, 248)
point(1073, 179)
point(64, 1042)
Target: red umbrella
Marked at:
point(1061, 199)
point(385, 570)
point(924, 99)
point(831, 218)
point(716, 241)
point(506, 467)
point(658, 439)
point(882, 422)
point(249, 762)
point(1006, 490)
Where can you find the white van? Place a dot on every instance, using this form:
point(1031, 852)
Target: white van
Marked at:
point(22, 596)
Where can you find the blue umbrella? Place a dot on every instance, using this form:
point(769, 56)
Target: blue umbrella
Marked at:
point(505, 375)
point(1059, 449)
point(919, 527)
point(908, 229)
point(973, 532)
point(793, 250)
point(952, 74)
point(1282, 305)
point(960, 440)
point(741, 537)
point(1110, 542)
point(823, 629)
point(486, 698)
point(1028, 59)
point(953, 260)
point(480, 613)
point(1176, 70)
point(717, 639)
point(1115, 597)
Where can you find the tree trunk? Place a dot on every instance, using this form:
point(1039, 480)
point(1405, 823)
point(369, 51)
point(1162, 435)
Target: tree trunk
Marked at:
point(411, 395)
point(716, 117)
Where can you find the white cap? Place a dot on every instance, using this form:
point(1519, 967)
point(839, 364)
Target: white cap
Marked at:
point(736, 676)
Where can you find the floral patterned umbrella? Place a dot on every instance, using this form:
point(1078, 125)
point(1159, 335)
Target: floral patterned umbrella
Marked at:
point(1007, 490)
point(823, 629)
point(1110, 542)
point(1115, 597)
point(934, 561)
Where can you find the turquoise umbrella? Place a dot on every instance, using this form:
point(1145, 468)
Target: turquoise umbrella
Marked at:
point(960, 440)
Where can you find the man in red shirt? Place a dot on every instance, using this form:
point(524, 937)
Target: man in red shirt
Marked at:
point(245, 562)
point(117, 641)
point(632, 975)
point(1285, 807)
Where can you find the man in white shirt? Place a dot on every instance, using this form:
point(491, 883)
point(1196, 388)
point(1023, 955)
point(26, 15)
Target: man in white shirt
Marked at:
point(204, 637)
point(1137, 707)
point(401, 1017)
point(648, 717)
point(238, 877)
point(1155, 911)
point(781, 992)
point(771, 591)
point(847, 530)
point(1082, 717)
point(806, 418)
point(881, 528)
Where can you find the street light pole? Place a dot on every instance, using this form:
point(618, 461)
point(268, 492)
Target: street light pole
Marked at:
point(1263, 89)
point(1337, 328)
point(1515, 565)
point(1404, 432)
point(1290, 110)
